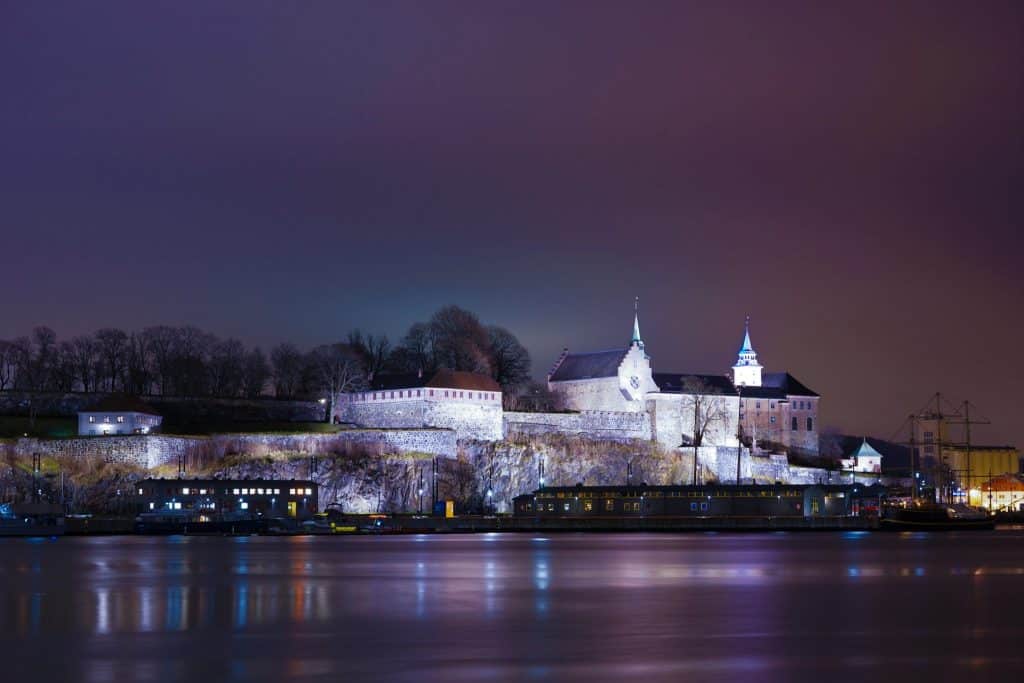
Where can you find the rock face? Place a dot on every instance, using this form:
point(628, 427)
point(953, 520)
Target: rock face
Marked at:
point(387, 470)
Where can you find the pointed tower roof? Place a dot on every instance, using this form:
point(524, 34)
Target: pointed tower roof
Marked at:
point(636, 323)
point(747, 346)
point(866, 450)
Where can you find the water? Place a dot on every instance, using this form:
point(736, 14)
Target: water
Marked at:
point(796, 606)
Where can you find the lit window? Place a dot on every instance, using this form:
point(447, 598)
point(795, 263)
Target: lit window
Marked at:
point(693, 507)
point(259, 491)
point(152, 505)
point(140, 492)
point(772, 419)
point(92, 418)
point(107, 419)
point(291, 492)
point(277, 492)
point(565, 507)
point(588, 506)
point(309, 492)
point(703, 507)
point(236, 491)
point(120, 418)
point(177, 506)
point(609, 505)
point(184, 491)
point(245, 506)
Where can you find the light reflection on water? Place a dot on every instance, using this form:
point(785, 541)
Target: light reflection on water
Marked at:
point(785, 606)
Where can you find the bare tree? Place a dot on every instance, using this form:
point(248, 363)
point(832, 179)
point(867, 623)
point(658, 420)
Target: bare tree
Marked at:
point(338, 370)
point(226, 367)
point(287, 362)
point(510, 361)
point(708, 409)
point(414, 352)
point(373, 351)
point(112, 345)
point(459, 341)
point(85, 356)
point(255, 373)
point(161, 341)
point(8, 364)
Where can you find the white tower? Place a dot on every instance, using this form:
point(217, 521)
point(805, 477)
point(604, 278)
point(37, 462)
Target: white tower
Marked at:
point(747, 371)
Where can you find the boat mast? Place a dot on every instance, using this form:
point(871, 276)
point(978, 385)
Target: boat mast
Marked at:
point(913, 470)
point(967, 437)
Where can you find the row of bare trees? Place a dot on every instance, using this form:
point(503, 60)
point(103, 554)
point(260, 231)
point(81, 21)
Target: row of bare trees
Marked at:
point(186, 361)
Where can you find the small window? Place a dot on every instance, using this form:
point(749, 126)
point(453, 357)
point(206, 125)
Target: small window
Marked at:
point(693, 507)
point(758, 405)
point(120, 419)
point(107, 419)
point(551, 507)
point(609, 505)
point(810, 424)
point(703, 507)
point(565, 507)
point(771, 405)
point(795, 425)
point(92, 418)
point(309, 492)
point(184, 491)
point(588, 506)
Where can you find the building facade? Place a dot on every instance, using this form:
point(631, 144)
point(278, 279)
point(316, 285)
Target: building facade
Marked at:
point(218, 497)
point(691, 501)
point(773, 410)
point(118, 415)
point(466, 402)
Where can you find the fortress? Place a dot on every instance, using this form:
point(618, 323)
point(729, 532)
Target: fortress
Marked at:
point(611, 394)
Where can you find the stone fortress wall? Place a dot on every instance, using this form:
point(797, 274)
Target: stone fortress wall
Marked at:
point(614, 425)
point(156, 450)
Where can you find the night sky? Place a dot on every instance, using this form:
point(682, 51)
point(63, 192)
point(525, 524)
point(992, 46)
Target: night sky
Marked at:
point(849, 176)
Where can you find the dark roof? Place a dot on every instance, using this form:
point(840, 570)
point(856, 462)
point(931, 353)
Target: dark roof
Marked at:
point(787, 383)
point(574, 366)
point(121, 404)
point(445, 379)
point(675, 383)
point(763, 392)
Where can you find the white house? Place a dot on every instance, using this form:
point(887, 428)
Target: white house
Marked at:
point(118, 415)
point(864, 459)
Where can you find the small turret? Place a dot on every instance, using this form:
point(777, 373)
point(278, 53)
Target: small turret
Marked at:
point(747, 371)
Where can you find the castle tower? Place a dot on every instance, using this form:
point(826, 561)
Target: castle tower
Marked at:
point(636, 340)
point(747, 371)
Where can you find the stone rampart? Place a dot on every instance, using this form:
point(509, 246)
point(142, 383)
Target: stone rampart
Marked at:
point(596, 424)
point(154, 450)
point(467, 419)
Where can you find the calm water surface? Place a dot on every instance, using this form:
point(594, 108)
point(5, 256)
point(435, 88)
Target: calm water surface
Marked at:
point(810, 606)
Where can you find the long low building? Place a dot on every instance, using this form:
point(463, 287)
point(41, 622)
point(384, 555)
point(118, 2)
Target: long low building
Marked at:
point(268, 497)
point(699, 501)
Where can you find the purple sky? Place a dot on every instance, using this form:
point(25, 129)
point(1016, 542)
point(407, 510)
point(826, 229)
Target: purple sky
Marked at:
point(850, 176)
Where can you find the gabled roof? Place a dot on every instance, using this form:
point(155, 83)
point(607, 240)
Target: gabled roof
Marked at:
point(444, 378)
point(575, 366)
point(866, 451)
point(787, 383)
point(121, 404)
point(677, 383)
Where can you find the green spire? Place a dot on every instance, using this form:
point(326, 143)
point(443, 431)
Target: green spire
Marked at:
point(636, 323)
